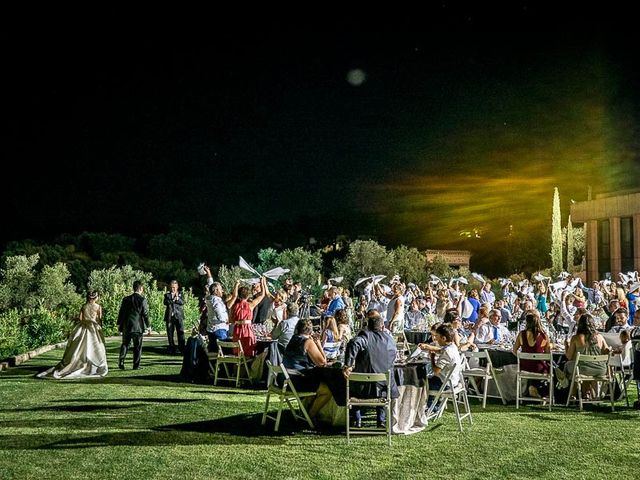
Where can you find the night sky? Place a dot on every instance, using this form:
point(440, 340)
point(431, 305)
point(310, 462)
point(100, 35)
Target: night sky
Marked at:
point(412, 134)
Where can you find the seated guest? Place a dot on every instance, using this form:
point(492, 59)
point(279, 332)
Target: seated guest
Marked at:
point(371, 351)
point(493, 332)
point(448, 356)
point(413, 316)
point(587, 341)
point(433, 346)
point(330, 338)
point(614, 305)
point(303, 353)
point(533, 339)
point(285, 329)
point(634, 331)
point(504, 312)
point(620, 316)
point(342, 321)
point(462, 339)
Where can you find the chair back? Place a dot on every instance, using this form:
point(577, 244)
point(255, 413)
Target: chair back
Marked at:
point(357, 377)
point(446, 382)
point(479, 355)
point(582, 358)
point(229, 345)
point(545, 357)
point(369, 377)
point(274, 371)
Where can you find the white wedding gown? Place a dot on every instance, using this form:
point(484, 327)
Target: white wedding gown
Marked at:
point(85, 355)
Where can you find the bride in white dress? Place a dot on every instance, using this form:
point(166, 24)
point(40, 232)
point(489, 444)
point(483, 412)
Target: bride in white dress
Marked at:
point(85, 355)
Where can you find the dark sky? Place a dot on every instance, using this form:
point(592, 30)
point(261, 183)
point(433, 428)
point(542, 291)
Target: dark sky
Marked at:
point(129, 127)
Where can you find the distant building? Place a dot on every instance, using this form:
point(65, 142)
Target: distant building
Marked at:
point(454, 258)
point(612, 233)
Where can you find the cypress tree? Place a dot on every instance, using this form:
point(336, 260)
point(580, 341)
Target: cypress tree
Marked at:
point(556, 235)
point(569, 245)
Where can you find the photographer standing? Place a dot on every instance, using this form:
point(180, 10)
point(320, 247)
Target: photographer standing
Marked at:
point(174, 316)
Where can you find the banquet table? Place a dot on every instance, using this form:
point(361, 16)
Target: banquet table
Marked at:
point(407, 411)
point(505, 364)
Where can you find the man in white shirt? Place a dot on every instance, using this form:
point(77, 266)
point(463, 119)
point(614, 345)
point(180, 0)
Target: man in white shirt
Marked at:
point(286, 328)
point(493, 332)
point(621, 315)
point(217, 316)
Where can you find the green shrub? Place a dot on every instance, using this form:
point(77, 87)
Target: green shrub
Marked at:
point(11, 338)
point(18, 281)
point(44, 327)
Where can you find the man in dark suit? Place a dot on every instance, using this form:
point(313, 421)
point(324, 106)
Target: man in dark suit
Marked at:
point(133, 320)
point(174, 316)
point(371, 351)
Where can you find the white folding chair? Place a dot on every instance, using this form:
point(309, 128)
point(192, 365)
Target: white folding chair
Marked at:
point(485, 373)
point(448, 391)
point(224, 359)
point(578, 378)
point(287, 393)
point(622, 369)
point(384, 402)
point(525, 375)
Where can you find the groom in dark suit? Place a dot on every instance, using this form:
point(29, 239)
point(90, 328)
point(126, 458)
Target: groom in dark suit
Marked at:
point(133, 320)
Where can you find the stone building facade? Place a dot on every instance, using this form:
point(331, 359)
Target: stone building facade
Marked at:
point(612, 233)
point(454, 258)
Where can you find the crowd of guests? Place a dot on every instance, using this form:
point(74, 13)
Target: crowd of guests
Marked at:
point(531, 316)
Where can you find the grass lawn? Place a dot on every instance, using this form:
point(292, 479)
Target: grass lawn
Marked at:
point(148, 424)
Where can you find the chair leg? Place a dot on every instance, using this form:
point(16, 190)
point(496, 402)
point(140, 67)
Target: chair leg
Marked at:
point(518, 386)
point(246, 369)
point(279, 413)
point(238, 375)
point(388, 409)
point(467, 407)
point(580, 394)
point(550, 392)
point(456, 409)
point(624, 384)
point(484, 394)
point(570, 390)
point(215, 377)
point(612, 392)
point(266, 409)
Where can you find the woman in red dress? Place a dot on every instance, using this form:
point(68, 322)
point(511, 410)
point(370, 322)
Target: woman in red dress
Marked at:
point(242, 315)
point(533, 339)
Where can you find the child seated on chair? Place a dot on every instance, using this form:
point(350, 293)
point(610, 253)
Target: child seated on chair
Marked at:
point(432, 347)
point(330, 338)
point(449, 355)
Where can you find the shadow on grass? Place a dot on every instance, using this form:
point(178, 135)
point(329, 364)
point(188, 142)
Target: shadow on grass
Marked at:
point(73, 408)
point(145, 399)
point(235, 430)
